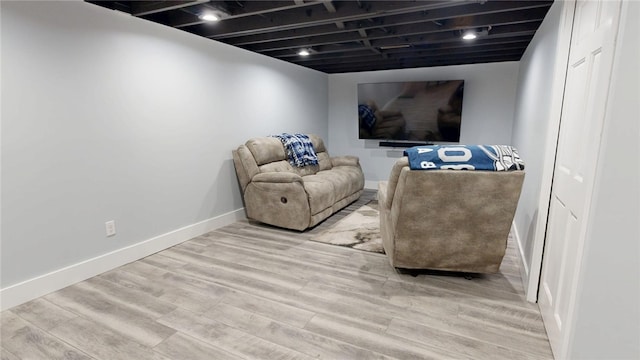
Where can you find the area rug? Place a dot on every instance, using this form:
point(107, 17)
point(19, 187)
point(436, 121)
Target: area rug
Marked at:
point(359, 230)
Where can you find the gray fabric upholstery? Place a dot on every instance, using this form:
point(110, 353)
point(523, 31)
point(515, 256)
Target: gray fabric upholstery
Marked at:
point(266, 149)
point(279, 194)
point(447, 219)
point(324, 161)
point(318, 144)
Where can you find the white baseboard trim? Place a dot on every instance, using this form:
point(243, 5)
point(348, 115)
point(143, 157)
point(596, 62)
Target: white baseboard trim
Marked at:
point(371, 185)
point(33, 288)
point(524, 267)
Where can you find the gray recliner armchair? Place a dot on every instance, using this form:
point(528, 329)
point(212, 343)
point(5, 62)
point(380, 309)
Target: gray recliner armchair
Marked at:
point(448, 220)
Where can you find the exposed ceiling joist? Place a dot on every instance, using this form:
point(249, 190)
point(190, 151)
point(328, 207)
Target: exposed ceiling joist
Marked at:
point(423, 29)
point(363, 35)
point(236, 10)
point(301, 18)
point(329, 6)
point(142, 8)
point(435, 15)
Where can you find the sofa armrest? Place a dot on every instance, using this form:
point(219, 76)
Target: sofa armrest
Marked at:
point(346, 160)
point(278, 198)
point(277, 177)
point(245, 165)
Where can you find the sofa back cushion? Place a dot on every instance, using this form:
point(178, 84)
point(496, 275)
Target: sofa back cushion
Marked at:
point(270, 156)
point(318, 144)
point(266, 150)
point(324, 161)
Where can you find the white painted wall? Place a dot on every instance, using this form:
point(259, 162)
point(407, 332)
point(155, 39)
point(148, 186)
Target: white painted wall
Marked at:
point(533, 118)
point(109, 117)
point(487, 111)
point(607, 313)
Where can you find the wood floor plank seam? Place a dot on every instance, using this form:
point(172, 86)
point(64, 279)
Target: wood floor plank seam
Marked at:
point(221, 335)
point(292, 298)
point(33, 337)
point(281, 263)
point(359, 351)
point(498, 351)
point(188, 347)
point(382, 342)
point(345, 263)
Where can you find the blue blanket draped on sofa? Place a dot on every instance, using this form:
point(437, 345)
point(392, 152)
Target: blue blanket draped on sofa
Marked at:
point(464, 157)
point(299, 149)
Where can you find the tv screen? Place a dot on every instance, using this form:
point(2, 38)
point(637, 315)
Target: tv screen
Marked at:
point(429, 111)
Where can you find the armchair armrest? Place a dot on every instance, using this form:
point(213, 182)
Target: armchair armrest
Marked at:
point(277, 177)
point(346, 160)
point(383, 199)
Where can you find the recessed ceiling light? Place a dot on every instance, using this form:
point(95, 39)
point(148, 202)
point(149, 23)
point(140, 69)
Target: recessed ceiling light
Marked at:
point(469, 35)
point(304, 52)
point(209, 17)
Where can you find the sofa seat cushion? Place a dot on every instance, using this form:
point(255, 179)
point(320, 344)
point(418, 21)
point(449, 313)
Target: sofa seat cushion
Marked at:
point(346, 179)
point(321, 192)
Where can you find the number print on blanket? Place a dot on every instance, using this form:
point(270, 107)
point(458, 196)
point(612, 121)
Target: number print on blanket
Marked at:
point(464, 157)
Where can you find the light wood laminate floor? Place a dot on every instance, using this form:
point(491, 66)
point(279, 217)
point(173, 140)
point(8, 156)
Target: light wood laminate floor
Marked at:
point(250, 291)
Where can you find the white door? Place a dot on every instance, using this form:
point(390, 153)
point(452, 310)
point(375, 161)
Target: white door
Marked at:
point(586, 90)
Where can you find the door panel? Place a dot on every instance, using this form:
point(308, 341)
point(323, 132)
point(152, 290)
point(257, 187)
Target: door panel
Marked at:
point(583, 110)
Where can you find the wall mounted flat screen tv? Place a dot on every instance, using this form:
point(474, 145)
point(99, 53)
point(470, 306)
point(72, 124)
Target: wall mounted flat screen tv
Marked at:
point(429, 111)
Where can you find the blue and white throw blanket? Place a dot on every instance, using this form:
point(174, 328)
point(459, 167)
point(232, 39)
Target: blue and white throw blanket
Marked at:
point(299, 149)
point(464, 157)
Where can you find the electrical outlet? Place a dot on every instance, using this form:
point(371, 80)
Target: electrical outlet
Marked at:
point(110, 227)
